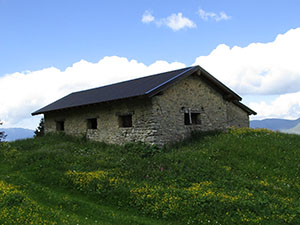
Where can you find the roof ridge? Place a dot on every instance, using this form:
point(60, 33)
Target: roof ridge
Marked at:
point(172, 78)
point(138, 78)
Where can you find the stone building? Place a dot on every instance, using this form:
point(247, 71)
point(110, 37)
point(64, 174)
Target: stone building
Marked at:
point(157, 109)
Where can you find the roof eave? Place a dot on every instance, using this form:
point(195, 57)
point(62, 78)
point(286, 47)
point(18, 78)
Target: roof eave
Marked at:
point(245, 108)
point(41, 111)
point(229, 93)
point(36, 113)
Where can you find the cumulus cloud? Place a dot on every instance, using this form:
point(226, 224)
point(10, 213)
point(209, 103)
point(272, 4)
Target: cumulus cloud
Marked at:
point(26, 92)
point(284, 106)
point(175, 21)
point(259, 68)
point(147, 17)
point(211, 15)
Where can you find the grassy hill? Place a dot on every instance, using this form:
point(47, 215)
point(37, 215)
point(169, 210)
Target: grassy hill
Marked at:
point(243, 176)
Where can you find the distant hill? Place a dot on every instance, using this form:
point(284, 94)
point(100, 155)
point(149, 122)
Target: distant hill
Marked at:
point(275, 124)
point(293, 130)
point(17, 133)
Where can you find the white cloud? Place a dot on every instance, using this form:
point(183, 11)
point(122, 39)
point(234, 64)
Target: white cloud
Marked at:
point(259, 68)
point(177, 22)
point(211, 15)
point(285, 106)
point(174, 21)
point(147, 17)
point(26, 92)
point(262, 69)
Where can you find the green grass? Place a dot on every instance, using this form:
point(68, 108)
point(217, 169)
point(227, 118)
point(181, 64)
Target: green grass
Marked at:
point(241, 176)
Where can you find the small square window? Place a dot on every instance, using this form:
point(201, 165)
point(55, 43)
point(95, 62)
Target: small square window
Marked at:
point(125, 121)
point(192, 119)
point(92, 123)
point(196, 118)
point(60, 125)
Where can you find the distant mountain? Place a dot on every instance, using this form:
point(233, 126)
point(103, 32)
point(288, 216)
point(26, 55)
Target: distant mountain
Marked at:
point(17, 133)
point(275, 124)
point(293, 130)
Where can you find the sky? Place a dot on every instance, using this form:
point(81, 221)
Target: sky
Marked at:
point(50, 48)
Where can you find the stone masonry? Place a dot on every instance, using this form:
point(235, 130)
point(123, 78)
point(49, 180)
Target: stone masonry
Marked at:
point(159, 120)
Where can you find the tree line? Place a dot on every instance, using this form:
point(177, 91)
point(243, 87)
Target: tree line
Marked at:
point(39, 132)
point(2, 133)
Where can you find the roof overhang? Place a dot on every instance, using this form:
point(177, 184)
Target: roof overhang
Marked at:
point(227, 93)
point(244, 107)
point(150, 91)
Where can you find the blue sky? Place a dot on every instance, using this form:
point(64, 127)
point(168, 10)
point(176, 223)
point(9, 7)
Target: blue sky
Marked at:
point(37, 34)
point(40, 34)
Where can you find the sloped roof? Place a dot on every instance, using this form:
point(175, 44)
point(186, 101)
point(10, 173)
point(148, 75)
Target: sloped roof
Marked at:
point(145, 86)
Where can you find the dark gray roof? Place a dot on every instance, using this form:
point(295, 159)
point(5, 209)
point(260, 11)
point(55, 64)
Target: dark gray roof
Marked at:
point(145, 86)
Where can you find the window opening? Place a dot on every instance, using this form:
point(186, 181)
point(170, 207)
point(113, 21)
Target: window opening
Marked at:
point(192, 118)
point(60, 125)
point(196, 118)
point(92, 123)
point(187, 119)
point(125, 121)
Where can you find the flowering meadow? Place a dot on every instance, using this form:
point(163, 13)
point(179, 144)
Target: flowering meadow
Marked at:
point(238, 176)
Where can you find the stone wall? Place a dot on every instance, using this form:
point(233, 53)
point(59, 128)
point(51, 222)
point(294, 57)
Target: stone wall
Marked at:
point(236, 117)
point(108, 128)
point(157, 120)
point(193, 94)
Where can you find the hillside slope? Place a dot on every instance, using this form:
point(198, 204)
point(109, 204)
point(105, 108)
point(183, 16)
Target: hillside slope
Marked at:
point(243, 176)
